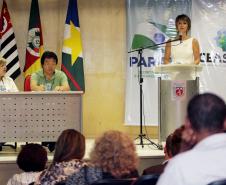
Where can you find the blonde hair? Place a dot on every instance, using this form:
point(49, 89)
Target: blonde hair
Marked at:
point(2, 61)
point(115, 153)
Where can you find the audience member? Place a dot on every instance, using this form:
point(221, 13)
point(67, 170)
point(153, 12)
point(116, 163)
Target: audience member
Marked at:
point(205, 162)
point(172, 148)
point(114, 156)
point(32, 160)
point(67, 160)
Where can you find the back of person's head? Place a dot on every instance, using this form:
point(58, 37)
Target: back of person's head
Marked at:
point(32, 158)
point(48, 55)
point(206, 112)
point(70, 145)
point(173, 142)
point(168, 146)
point(177, 140)
point(115, 153)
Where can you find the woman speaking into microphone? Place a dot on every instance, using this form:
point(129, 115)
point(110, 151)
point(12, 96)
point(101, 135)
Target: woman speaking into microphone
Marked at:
point(187, 50)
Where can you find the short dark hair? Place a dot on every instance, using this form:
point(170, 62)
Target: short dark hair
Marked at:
point(48, 54)
point(70, 145)
point(207, 112)
point(185, 18)
point(173, 141)
point(32, 157)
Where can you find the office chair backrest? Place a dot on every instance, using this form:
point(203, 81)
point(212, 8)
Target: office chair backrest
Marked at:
point(58, 183)
point(61, 183)
point(147, 179)
point(114, 182)
point(219, 182)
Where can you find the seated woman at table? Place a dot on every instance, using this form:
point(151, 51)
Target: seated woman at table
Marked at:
point(6, 83)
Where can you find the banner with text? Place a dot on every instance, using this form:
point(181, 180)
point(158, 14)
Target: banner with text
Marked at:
point(148, 23)
point(209, 27)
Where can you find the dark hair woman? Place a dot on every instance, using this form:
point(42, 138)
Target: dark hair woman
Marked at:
point(67, 160)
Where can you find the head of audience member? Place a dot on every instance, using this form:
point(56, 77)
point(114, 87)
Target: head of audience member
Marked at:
point(183, 24)
point(49, 62)
point(70, 145)
point(206, 115)
point(32, 158)
point(115, 153)
point(3, 68)
point(173, 143)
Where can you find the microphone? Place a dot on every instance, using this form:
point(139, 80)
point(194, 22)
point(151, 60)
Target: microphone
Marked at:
point(180, 37)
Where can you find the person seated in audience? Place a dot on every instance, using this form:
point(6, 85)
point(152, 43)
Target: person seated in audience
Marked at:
point(32, 160)
point(113, 157)
point(67, 160)
point(6, 83)
point(49, 78)
point(172, 148)
point(204, 127)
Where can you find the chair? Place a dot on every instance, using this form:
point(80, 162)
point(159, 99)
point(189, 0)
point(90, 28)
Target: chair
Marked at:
point(219, 182)
point(58, 183)
point(147, 179)
point(27, 83)
point(61, 183)
point(114, 182)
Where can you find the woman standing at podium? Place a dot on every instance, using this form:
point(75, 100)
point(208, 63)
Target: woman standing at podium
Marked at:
point(187, 50)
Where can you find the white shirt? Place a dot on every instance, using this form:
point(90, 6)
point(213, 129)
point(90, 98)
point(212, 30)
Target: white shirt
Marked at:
point(182, 53)
point(7, 85)
point(203, 164)
point(24, 178)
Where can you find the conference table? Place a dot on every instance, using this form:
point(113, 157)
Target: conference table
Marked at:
point(38, 116)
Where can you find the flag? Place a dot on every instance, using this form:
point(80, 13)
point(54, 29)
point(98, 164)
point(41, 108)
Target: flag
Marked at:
point(8, 47)
point(34, 41)
point(72, 59)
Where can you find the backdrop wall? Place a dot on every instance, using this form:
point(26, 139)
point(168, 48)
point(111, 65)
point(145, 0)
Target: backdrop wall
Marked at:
point(103, 30)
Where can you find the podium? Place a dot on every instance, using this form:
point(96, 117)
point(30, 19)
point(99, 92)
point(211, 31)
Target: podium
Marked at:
point(177, 84)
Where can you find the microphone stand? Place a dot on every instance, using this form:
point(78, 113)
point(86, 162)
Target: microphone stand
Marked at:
point(143, 136)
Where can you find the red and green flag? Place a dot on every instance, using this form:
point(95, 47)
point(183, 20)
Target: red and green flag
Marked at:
point(72, 59)
point(34, 48)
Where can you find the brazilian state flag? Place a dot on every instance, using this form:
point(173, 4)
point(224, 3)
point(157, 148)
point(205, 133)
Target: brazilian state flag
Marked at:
point(34, 47)
point(72, 59)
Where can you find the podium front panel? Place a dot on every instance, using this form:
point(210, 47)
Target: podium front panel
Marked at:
point(174, 97)
point(32, 116)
